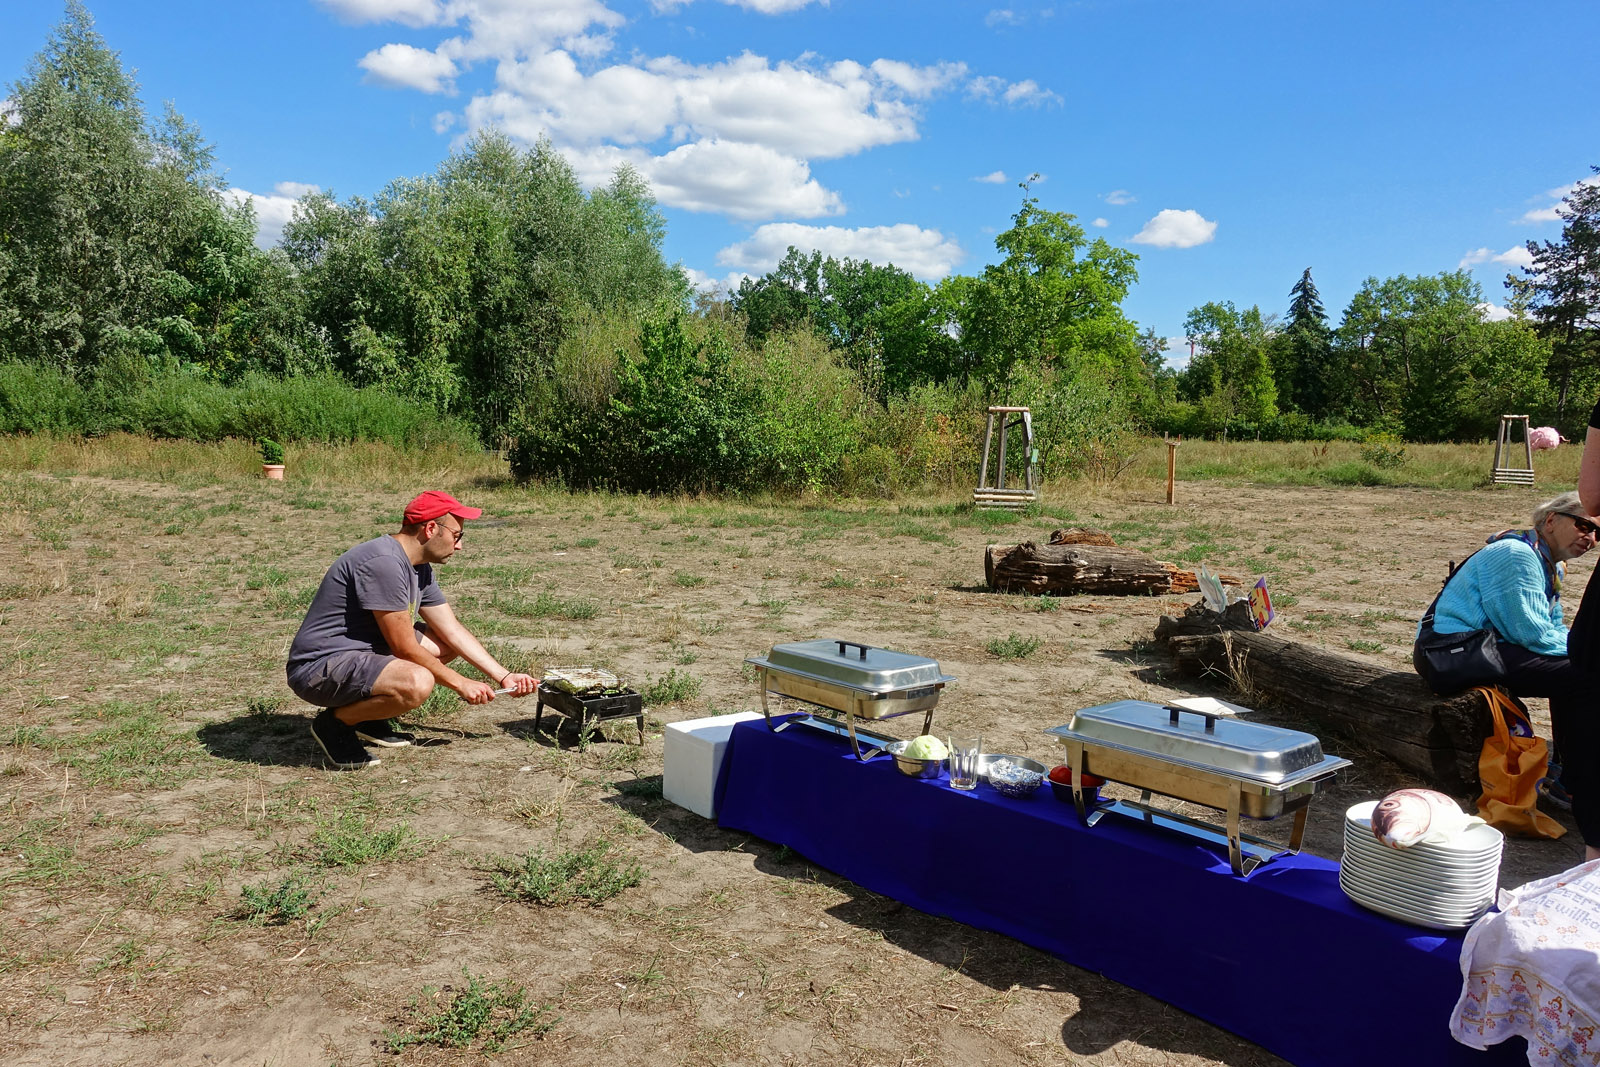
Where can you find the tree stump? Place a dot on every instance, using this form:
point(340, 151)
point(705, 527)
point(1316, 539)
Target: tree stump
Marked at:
point(1392, 712)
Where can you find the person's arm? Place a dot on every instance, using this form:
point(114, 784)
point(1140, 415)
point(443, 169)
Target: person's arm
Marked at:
point(1514, 600)
point(443, 624)
point(402, 640)
point(1589, 470)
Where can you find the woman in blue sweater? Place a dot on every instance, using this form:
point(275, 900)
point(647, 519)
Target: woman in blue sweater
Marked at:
point(1513, 586)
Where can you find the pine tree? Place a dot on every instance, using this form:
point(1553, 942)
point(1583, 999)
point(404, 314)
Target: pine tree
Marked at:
point(1320, 387)
point(1563, 292)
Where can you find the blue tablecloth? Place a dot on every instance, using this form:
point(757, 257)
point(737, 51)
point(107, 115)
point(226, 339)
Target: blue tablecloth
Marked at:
point(1282, 958)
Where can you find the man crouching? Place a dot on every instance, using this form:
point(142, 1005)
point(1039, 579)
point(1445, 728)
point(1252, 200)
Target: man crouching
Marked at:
point(359, 655)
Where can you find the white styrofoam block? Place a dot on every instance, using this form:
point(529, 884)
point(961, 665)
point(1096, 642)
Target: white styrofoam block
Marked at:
point(692, 759)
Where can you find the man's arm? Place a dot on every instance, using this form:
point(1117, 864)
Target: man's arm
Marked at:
point(443, 624)
point(402, 640)
point(1589, 471)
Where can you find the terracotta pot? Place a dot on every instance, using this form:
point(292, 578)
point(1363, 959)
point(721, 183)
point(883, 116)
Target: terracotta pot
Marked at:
point(273, 471)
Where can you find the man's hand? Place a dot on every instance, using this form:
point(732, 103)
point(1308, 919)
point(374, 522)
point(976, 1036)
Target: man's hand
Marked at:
point(474, 692)
point(520, 684)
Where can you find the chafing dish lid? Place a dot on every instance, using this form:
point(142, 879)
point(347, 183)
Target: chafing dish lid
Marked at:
point(853, 666)
point(1231, 746)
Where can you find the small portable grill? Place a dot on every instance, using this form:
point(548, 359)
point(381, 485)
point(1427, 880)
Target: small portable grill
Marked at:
point(1246, 770)
point(589, 710)
point(857, 681)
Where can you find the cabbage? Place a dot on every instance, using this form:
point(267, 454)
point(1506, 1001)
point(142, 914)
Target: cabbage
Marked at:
point(925, 747)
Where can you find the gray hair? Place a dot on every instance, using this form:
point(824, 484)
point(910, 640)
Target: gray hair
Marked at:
point(1566, 504)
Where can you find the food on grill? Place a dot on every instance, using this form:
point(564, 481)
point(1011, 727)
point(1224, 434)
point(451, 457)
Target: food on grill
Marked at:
point(1408, 816)
point(925, 747)
point(580, 679)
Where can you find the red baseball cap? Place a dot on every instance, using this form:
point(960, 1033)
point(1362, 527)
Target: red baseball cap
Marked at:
point(433, 503)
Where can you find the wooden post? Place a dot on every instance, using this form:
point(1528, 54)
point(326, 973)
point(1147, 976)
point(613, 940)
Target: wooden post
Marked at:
point(1172, 471)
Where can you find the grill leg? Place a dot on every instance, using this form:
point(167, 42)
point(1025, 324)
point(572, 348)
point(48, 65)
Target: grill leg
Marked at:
point(641, 729)
point(538, 715)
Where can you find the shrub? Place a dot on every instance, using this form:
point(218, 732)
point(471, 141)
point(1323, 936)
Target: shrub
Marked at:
point(1383, 450)
point(271, 451)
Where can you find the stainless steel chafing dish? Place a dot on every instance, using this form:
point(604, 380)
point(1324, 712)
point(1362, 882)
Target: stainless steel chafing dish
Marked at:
point(1247, 770)
point(857, 681)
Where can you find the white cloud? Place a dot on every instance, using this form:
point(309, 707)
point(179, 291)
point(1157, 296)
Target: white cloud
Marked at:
point(742, 180)
point(815, 113)
point(1515, 256)
point(736, 136)
point(1555, 196)
point(917, 81)
point(409, 12)
point(1002, 16)
point(928, 254)
point(1100, 223)
point(1119, 197)
point(400, 66)
point(994, 177)
point(274, 211)
point(1172, 228)
point(1024, 93)
point(1494, 312)
point(1177, 353)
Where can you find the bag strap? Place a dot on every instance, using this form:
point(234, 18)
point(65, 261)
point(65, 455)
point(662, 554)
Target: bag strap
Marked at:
point(1455, 569)
point(1496, 701)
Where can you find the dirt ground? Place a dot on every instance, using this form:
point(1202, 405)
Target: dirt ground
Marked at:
point(153, 768)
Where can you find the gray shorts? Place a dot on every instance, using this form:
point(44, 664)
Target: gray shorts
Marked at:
point(342, 677)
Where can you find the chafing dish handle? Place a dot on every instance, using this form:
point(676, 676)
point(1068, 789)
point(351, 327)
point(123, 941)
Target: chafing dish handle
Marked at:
point(1211, 720)
point(854, 644)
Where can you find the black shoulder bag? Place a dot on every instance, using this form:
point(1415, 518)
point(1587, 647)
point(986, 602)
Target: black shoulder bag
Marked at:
point(1451, 663)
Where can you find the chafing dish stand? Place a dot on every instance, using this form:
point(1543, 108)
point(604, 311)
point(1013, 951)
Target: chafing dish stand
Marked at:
point(1246, 770)
point(858, 681)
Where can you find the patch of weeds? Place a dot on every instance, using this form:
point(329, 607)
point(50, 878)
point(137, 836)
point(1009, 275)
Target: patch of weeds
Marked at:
point(623, 562)
point(671, 688)
point(687, 580)
point(265, 904)
point(774, 606)
point(587, 542)
point(709, 627)
point(485, 1014)
point(839, 581)
point(1045, 603)
point(686, 657)
point(1014, 646)
point(545, 606)
point(590, 876)
point(1365, 646)
point(352, 840)
point(291, 601)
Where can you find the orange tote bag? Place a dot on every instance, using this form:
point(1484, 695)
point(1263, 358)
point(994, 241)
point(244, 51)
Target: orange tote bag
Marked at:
point(1509, 769)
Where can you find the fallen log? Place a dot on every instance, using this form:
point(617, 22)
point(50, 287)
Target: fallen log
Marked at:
point(1076, 568)
point(1393, 712)
point(1084, 564)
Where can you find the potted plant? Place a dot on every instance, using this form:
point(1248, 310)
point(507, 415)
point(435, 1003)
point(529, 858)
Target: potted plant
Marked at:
point(271, 459)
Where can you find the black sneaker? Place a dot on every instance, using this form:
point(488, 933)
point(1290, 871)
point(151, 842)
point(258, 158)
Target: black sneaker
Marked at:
point(339, 742)
point(383, 732)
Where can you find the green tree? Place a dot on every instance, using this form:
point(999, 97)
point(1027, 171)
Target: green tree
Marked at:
point(1054, 300)
point(1427, 363)
point(458, 288)
point(117, 246)
point(1313, 379)
point(1230, 375)
point(1562, 290)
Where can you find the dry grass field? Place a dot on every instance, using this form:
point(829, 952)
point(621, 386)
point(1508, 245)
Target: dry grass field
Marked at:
point(182, 882)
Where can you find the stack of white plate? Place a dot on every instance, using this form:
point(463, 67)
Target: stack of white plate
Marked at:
point(1441, 886)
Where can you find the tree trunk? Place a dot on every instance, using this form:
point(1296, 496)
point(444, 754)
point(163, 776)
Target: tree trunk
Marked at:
point(1394, 712)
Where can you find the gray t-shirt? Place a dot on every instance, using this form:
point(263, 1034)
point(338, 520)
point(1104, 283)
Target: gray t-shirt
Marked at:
point(373, 576)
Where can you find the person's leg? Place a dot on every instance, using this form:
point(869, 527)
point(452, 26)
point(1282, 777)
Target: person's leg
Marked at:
point(1574, 696)
point(400, 687)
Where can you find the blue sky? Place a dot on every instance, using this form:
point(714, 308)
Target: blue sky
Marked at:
point(1230, 144)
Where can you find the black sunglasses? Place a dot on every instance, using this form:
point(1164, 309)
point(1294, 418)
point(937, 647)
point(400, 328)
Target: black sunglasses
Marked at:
point(1584, 525)
point(459, 534)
